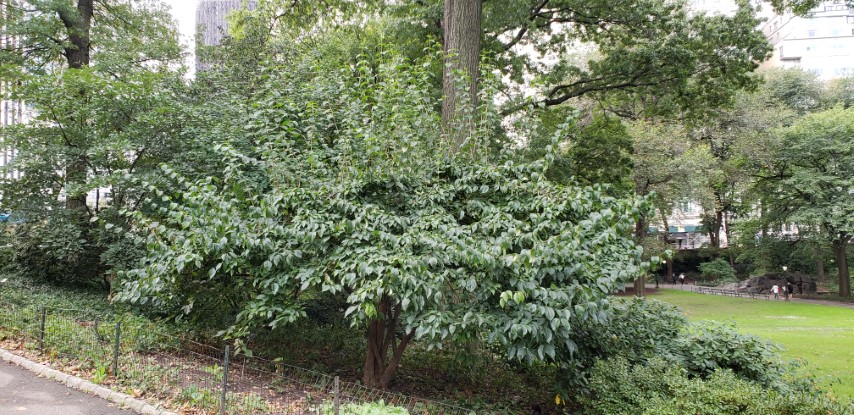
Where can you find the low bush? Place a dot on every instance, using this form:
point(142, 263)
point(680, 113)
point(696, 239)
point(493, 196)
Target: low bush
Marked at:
point(636, 330)
point(641, 330)
point(705, 348)
point(718, 270)
point(659, 388)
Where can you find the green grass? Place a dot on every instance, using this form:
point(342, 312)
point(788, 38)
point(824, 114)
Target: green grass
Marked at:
point(823, 336)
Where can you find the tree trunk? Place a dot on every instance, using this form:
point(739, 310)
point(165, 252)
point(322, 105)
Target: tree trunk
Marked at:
point(462, 43)
point(669, 275)
point(728, 233)
point(381, 336)
point(640, 234)
point(78, 26)
point(717, 228)
point(819, 263)
point(839, 249)
point(669, 270)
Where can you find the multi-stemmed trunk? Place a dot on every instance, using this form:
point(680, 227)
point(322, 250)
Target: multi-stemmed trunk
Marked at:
point(381, 336)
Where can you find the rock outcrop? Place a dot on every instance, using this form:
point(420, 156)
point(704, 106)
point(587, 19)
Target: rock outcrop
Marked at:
point(804, 284)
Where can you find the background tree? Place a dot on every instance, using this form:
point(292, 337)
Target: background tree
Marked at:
point(100, 80)
point(811, 183)
point(665, 167)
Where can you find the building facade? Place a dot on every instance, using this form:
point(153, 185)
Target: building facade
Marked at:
point(12, 111)
point(821, 42)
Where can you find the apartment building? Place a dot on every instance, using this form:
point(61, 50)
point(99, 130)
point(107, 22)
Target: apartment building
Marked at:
point(821, 42)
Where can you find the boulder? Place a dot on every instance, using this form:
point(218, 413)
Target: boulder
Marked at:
point(804, 284)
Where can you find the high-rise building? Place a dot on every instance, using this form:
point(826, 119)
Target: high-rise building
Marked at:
point(821, 42)
point(211, 18)
point(12, 111)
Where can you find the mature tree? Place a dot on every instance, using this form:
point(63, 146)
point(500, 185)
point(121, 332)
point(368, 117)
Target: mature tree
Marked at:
point(811, 184)
point(595, 149)
point(348, 194)
point(643, 50)
point(737, 138)
point(795, 88)
point(840, 92)
point(664, 165)
point(650, 57)
point(461, 23)
point(99, 77)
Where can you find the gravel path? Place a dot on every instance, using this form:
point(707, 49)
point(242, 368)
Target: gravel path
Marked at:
point(22, 392)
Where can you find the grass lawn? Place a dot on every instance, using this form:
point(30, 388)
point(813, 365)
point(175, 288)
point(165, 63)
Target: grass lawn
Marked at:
point(821, 335)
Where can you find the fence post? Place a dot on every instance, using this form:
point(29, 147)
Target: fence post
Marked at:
point(335, 396)
point(116, 349)
point(222, 402)
point(41, 328)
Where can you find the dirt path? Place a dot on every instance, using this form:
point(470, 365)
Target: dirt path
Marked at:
point(22, 392)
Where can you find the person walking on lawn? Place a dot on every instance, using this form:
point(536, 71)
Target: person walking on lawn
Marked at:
point(776, 291)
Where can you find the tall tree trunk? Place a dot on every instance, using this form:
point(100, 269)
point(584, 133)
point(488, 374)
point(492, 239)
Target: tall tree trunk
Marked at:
point(78, 25)
point(819, 263)
point(839, 249)
point(728, 233)
point(640, 234)
point(462, 44)
point(669, 275)
point(381, 336)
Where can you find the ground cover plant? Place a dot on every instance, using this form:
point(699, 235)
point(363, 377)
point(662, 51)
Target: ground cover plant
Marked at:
point(155, 363)
point(823, 336)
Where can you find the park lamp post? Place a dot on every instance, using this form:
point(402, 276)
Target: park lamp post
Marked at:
point(785, 268)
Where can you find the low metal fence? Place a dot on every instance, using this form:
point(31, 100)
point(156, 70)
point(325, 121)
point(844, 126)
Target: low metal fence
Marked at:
point(184, 375)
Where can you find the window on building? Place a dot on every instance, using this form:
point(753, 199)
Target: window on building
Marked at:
point(835, 32)
point(849, 19)
point(811, 33)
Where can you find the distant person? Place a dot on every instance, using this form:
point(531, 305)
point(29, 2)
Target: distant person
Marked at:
point(682, 278)
point(791, 288)
point(776, 291)
point(785, 292)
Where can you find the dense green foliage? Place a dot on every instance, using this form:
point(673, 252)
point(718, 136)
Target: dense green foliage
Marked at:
point(92, 116)
point(437, 246)
point(618, 387)
point(310, 174)
point(717, 269)
point(640, 330)
point(820, 337)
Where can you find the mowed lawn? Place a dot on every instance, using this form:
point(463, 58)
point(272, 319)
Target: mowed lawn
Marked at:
point(821, 335)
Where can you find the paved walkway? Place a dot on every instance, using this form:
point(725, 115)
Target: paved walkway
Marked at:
point(22, 392)
point(689, 287)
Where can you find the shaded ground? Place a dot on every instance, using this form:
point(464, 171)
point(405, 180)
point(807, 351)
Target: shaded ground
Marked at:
point(22, 392)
